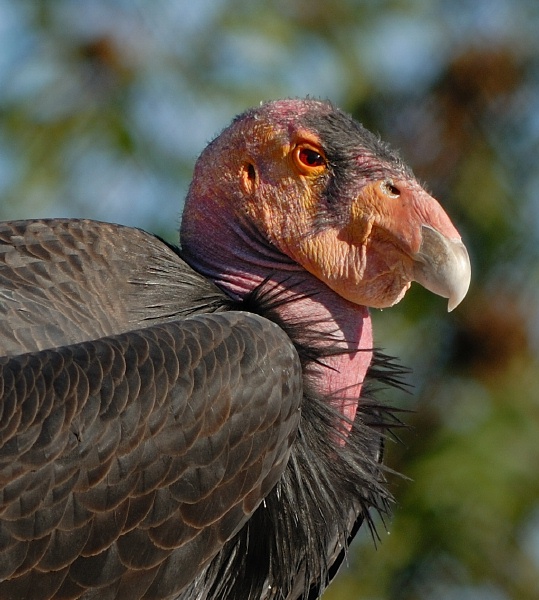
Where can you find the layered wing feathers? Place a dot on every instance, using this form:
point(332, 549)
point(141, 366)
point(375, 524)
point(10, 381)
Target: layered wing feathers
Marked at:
point(127, 461)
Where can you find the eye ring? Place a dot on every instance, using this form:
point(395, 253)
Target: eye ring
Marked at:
point(389, 188)
point(309, 159)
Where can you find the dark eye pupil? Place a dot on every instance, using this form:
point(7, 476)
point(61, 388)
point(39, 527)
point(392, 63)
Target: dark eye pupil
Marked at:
point(311, 157)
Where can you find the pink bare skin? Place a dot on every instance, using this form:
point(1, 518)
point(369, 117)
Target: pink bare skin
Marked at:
point(316, 212)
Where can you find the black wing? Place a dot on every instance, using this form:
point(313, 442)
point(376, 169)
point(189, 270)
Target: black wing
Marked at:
point(126, 462)
point(64, 281)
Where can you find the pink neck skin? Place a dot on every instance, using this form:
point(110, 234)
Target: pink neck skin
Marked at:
point(238, 260)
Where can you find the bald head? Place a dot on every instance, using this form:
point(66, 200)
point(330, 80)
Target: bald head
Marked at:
point(303, 180)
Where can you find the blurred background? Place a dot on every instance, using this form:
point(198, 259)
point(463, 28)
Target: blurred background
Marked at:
point(105, 105)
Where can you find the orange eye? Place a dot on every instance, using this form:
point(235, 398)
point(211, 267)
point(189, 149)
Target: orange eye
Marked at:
point(309, 158)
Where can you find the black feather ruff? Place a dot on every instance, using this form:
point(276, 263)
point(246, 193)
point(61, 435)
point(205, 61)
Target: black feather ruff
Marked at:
point(295, 541)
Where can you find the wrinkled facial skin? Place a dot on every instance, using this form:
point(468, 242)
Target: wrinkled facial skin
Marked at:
point(301, 179)
point(347, 210)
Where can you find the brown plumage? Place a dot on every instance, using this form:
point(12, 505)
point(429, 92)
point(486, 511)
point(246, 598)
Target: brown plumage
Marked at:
point(199, 422)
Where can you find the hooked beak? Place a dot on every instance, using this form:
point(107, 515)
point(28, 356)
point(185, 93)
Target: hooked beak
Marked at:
point(442, 266)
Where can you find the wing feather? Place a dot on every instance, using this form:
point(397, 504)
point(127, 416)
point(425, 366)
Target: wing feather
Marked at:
point(135, 457)
point(64, 281)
